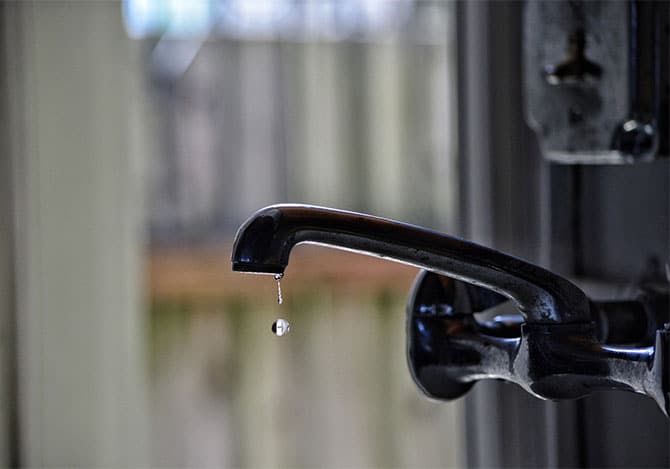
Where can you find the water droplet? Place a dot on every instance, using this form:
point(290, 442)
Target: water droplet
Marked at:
point(280, 327)
point(278, 278)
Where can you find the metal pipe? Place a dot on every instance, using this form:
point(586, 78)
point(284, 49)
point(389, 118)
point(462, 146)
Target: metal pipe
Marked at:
point(264, 242)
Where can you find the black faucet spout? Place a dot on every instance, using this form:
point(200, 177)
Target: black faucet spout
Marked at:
point(264, 242)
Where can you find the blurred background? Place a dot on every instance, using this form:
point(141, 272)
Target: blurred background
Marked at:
point(148, 131)
point(139, 134)
point(254, 102)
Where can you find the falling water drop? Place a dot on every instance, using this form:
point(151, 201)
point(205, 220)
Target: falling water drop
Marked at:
point(280, 327)
point(278, 278)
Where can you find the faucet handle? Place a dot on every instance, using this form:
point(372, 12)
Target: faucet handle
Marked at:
point(444, 349)
point(450, 347)
point(554, 353)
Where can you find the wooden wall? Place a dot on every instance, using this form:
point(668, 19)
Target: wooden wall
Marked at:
point(364, 125)
point(334, 392)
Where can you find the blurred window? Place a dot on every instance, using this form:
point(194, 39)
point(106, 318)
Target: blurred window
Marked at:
point(343, 103)
point(256, 19)
point(347, 103)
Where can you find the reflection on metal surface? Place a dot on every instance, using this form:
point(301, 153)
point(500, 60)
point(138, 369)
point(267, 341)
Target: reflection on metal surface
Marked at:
point(565, 347)
point(265, 240)
point(622, 348)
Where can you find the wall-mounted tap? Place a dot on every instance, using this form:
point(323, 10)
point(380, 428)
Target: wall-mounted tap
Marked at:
point(558, 345)
point(606, 101)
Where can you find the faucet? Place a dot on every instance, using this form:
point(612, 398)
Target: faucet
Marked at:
point(557, 343)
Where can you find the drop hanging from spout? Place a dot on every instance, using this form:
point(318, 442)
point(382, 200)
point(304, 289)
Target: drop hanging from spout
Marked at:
point(278, 278)
point(557, 354)
point(264, 242)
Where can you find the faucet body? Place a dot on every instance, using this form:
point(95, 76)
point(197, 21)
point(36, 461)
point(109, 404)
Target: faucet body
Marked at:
point(554, 351)
point(264, 242)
